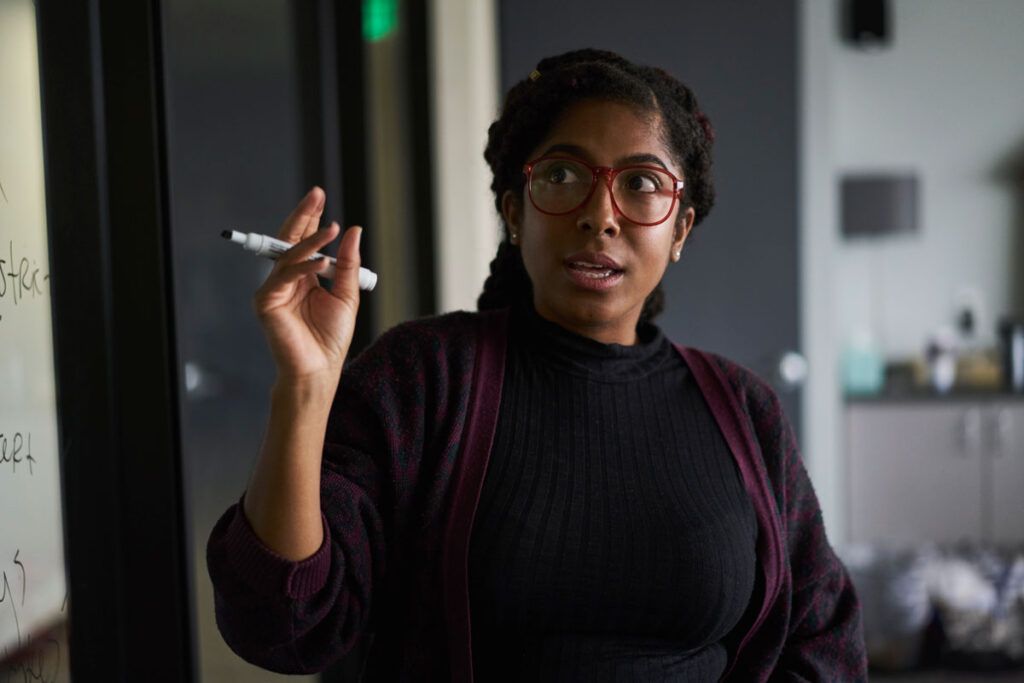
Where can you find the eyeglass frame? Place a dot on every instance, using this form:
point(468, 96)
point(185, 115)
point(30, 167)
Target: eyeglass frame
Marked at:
point(610, 174)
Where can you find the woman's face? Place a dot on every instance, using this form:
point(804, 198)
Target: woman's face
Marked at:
point(588, 301)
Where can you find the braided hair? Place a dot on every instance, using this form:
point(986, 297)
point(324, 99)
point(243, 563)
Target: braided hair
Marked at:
point(534, 104)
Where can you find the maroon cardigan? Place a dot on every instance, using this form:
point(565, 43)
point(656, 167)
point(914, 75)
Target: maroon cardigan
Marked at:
point(405, 456)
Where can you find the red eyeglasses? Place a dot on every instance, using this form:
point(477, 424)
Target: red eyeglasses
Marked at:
point(644, 195)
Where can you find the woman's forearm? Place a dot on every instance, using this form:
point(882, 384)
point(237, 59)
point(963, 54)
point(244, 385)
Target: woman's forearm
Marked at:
point(282, 502)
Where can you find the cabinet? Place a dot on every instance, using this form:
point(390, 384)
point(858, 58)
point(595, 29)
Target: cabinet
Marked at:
point(935, 470)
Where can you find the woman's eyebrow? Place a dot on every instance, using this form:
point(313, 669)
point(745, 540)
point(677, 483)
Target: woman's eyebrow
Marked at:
point(642, 159)
point(572, 150)
point(581, 153)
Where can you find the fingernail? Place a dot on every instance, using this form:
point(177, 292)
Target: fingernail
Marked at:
point(320, 200)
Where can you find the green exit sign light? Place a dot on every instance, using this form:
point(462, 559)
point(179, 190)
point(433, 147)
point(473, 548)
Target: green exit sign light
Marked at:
point(379, 19)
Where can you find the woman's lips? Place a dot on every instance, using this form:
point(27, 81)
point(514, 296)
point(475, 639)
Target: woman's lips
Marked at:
point(593, 258)
point(592, 276)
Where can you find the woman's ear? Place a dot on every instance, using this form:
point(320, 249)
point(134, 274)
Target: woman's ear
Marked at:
point(512, 212)
point(683, 227)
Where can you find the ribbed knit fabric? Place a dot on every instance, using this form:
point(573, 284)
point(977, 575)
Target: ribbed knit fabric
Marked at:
point(614, 540)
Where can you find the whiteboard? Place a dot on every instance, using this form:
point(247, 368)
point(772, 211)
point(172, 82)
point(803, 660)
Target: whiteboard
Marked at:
point(33, 592)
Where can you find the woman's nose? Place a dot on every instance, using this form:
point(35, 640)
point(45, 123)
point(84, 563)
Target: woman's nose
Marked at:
point(599, 212)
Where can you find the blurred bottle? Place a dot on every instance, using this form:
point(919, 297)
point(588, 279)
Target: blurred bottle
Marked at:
point(1011, 336)
point(863, 368)
point(941, 354)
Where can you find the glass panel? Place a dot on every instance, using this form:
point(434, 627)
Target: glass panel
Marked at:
point(235, 161)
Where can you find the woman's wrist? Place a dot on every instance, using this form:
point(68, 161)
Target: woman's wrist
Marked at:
point(306, 391)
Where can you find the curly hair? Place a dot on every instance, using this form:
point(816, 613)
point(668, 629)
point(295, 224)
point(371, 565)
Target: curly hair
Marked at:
point(535, 103)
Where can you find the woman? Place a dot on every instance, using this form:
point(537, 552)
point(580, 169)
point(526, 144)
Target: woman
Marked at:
point(547, 489)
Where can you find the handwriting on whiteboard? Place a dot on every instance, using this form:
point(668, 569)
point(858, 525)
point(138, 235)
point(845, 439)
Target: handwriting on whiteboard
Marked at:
point(42, 661)
point(21, 277)
point(16, 453)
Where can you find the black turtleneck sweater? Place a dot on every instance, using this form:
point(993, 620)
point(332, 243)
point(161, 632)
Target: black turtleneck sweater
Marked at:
point(613, 540)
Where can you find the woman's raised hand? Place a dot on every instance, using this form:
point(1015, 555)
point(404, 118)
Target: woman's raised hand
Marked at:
point(309, 327)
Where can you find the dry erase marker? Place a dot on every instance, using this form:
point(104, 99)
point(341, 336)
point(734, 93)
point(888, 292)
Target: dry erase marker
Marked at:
point(264, 245)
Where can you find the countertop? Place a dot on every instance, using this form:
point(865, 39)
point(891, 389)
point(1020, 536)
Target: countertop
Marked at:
point(926, 395)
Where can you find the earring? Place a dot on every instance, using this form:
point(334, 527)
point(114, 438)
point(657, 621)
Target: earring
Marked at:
point(514, 238)
point(677, 254)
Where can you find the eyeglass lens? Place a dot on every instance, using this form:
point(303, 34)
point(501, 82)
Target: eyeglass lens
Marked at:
point(643, 195)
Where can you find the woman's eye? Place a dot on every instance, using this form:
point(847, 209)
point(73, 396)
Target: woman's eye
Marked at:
point(639, 182)
point(562, 174)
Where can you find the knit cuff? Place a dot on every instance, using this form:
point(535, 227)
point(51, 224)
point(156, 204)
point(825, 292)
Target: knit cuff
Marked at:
point(267, 572)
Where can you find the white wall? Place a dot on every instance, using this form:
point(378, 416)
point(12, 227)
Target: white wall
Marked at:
point(818, 253)
point(465, 102)
point(945, 99)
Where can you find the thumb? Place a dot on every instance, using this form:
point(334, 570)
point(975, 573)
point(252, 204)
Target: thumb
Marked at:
point(346, 275)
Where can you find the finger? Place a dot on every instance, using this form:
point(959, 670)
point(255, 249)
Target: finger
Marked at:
point(346, 270)
point(283, 282)
point(304, 218)
point(309, 246)
point(295, 271)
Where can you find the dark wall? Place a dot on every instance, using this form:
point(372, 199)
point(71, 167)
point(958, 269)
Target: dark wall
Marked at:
point(736, 289)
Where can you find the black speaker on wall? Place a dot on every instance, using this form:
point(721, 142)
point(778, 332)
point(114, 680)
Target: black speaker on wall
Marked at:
point(878, 204)
point(867, 23)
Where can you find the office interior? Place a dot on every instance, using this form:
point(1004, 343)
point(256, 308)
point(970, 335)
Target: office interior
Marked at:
point(863, 256)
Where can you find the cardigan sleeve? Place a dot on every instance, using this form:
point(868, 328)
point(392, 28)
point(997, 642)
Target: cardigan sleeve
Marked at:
point(299, 617)
point(824, 639)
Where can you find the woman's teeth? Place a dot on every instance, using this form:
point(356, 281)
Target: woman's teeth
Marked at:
point(593, 271)
point(598, 274)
